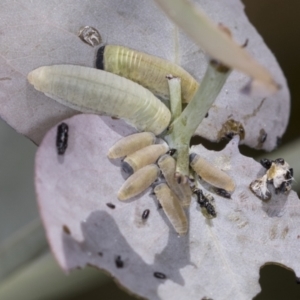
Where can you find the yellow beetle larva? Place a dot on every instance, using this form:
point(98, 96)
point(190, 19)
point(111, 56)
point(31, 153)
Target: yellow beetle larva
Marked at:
point(95, 91)
point(172, 208)
point(167, 165)
point(130, 144)
point(143, 157)
point(211, 174)
point(148, 70)
point(138, 182)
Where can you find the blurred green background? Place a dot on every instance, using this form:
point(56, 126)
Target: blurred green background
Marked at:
point(36, 273)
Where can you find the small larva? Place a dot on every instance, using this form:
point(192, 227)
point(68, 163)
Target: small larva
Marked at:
point(62, 138)
point(172, 208)
point(211, 174)
point(138, 182)
point(143, 157)
point(131, 144)
point(94, 91)
point(148, 70)
point(167, 165)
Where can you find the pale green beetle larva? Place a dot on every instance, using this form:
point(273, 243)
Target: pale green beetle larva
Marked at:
point(211, 174)
point(172, 208)
point(138, 182)
point(148, 70)
point(143, 157)
point(130, 144)
point(94, 91)
point(167, 165)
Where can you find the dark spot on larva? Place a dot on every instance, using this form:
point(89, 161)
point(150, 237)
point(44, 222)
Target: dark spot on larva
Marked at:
point(100, 58)
point(127, 168)
point(66, 229)
point(62, 138)
point(221, 68)
point(159, 275)
point(206, 116)
point(100, 253)
point(90, 36)
point(110, 205)
point(145, 214)
point(115, 118)
point(119, 262)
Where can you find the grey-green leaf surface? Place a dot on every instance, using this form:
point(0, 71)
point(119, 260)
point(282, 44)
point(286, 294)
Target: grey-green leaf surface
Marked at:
point(218, 258)
point(45, 33)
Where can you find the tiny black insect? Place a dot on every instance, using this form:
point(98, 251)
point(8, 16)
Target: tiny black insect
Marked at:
point(62, 138)
point(145, 214)
point(206, 116)
point(266, 163)
point(222, 193)
point(204, 202)
point(110, 205)
point(119, 262)
point(159, 275)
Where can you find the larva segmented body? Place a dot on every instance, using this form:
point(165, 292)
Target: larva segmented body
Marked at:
point(148, 70)
point(94, 91)
point(130, 144)
point(172, 208)
point(211, 174)
point(138, 182)
point(167, 165)
point(143, 157)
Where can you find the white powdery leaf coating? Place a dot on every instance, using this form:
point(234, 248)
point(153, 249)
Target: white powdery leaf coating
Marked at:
point(45, 33)
point(218, 258)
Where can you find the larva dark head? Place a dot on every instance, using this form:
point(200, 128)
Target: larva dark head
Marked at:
point(127, 168)
point(171, 151)
point(266, 163)
point(192, 156)
point(100, 58)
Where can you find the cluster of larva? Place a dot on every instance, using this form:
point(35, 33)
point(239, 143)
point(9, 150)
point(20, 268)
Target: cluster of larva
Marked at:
point(125, 88)
point(145, 162)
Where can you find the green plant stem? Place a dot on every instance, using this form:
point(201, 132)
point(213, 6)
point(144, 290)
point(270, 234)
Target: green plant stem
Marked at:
point(184, 126)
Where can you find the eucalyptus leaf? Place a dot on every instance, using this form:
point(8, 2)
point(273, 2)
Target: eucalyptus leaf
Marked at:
point(219, 258)
point(46, 33)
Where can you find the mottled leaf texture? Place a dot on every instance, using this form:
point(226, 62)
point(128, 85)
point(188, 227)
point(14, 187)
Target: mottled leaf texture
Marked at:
point(219, 258)
point(37, 33)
